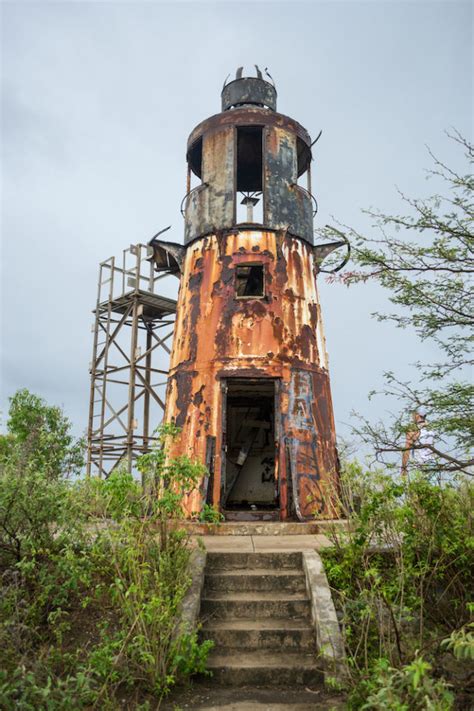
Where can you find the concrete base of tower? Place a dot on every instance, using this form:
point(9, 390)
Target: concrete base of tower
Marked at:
point(275, 529)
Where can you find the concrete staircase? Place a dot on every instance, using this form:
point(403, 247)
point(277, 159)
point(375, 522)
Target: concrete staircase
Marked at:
point(256, 609)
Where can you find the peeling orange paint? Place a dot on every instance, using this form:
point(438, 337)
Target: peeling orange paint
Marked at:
point(218, 336)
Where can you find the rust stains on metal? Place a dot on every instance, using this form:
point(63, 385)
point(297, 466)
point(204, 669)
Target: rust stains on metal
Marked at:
point(212, 206)
point(219, 336)
point(183, 382)
point(248, 309)
point(250, 117)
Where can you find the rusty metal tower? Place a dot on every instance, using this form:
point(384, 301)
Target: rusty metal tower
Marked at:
point(132, 329)
point(248, 381)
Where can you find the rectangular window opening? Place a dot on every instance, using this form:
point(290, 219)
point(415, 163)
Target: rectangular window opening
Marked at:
point(249, 281)
point(249, 186)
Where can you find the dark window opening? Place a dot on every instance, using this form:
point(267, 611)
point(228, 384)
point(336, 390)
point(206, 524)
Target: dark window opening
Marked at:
point(249, 281)
point(249, 477)
point(249, 179)
point(249, 158)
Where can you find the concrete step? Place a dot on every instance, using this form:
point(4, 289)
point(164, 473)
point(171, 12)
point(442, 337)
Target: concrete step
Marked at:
point(264, 668)
point(204, 695)
point(254, 605)
point(259, 579)
point(270, 633)
point(254, 515)
point(251, 528)
point(252, 561)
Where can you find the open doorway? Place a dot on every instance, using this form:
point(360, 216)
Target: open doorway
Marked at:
point(248, 484)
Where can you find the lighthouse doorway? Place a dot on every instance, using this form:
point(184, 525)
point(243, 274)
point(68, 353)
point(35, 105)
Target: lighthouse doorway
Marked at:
point(248, 486)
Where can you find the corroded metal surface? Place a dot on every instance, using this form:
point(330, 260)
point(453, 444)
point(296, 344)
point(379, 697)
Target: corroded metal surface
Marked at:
point(280, 336)
point(286, 205)
point(168, 256)
point(211, 207)
point(248, 90)
point(250, 116)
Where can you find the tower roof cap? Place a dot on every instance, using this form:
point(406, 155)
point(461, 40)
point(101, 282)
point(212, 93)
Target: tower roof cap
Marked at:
point(254, 91)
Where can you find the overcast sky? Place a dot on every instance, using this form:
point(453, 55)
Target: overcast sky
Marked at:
point(99, 99)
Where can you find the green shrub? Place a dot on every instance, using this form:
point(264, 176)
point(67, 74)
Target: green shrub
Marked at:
point(25, 690)
point(410, 688)
point(86, 611)
point(118, 496)
point(210, 514)
point(402, 573)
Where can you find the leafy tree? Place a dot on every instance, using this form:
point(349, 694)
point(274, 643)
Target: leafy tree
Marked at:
point(39, 438)
point(425, 261)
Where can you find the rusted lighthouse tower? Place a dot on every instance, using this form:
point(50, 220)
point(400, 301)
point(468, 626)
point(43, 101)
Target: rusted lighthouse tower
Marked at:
point(248, 381)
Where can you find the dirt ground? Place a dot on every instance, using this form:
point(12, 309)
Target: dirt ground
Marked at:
point(204, 697)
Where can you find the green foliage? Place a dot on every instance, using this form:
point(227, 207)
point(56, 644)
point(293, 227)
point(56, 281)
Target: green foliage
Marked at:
point(118, 496)
point(410, 688)
point(39, 438)
point(461, 642)
point(424, 260)
point(403, 573)
point(210, 514)
point(402, 579)
point(147, 584)
point(24, 690)
point(168, 480)
point(86, 609)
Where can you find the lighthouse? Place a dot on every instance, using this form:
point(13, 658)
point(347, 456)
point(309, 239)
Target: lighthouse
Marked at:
point(248, 383)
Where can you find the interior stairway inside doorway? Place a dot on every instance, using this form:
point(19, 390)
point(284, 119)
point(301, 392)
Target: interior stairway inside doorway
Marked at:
point(255, 608)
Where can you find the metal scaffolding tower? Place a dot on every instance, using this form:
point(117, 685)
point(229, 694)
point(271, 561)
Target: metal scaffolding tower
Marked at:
point(129, 361)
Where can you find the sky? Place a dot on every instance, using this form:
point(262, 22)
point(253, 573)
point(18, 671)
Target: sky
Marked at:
point(98, 99)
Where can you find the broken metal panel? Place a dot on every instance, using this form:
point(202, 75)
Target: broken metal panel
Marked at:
point(168, 256)
point(321, 251)
point(218, 155)
point(302, 216)
point(286, 205)
point(210, 206)
point(223, 439)
point(196, 213)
